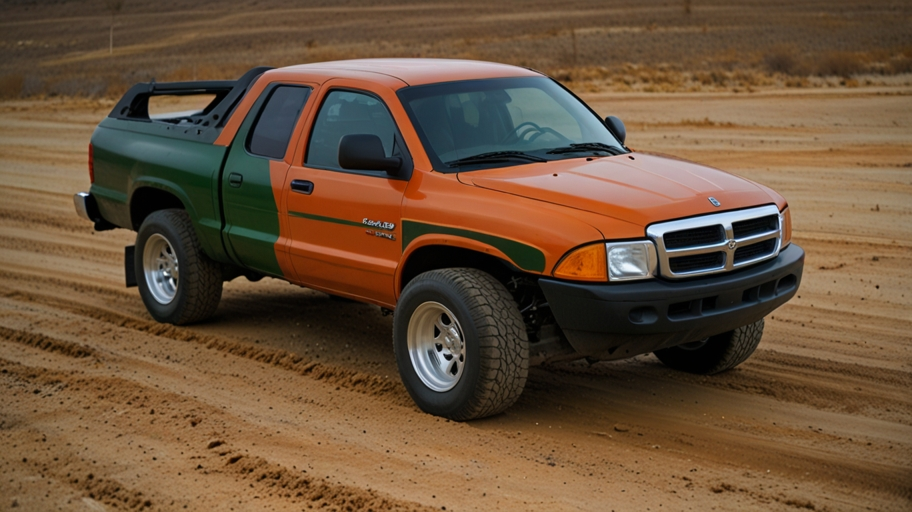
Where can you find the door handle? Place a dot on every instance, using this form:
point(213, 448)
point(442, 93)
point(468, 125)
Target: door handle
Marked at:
point(235, 179)
point(302, 186)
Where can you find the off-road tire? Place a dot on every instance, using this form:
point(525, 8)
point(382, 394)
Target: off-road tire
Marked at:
point(720, 352)
point(495, 341)
point(199, 286)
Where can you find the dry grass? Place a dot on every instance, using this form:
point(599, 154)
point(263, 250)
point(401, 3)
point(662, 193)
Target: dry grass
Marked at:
point(843, 64)
point(785, 59)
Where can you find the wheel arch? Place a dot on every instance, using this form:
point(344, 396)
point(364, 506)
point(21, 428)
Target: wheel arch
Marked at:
point(146, 200)
point(427, 255)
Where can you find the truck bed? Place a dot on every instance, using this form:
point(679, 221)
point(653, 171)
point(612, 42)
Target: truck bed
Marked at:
point(136, 154)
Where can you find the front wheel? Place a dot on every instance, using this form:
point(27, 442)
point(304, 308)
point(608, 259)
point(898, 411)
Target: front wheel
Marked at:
point(716, 353)
point(178, 283)
point(460, 344)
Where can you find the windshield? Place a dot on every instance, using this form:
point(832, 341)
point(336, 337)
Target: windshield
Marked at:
point(478, 124)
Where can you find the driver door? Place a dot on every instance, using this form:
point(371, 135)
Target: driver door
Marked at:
point(344, 225)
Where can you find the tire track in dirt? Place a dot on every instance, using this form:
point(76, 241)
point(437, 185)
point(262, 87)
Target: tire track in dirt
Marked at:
point(876, 392)
point(364, 383)
point(646, 410)
point(60, 249)
point(111, 393)
point(96, 491)
point(530, 447)
point(285, 360)
point(38, 340)
point(276, 480)
point(32, 218)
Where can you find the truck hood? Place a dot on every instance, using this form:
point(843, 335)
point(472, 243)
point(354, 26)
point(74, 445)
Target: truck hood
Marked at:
point(636, 188)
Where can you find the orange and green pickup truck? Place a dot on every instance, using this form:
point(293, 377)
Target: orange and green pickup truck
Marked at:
point(502, 221)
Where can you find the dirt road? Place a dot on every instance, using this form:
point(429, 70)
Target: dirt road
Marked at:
point(290, 400)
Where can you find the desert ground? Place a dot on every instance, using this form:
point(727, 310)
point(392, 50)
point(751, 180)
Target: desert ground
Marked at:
point(290, 400)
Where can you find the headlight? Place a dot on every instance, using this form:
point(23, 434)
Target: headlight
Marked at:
point(785, 220)
point(631, 260)
point(613, 261)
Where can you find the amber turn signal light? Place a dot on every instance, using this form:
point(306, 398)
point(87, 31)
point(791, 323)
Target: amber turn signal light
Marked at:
point(588, 263)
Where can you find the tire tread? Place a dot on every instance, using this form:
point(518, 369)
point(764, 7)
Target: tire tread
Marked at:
point(722, 352)
point(502, 339)
point(200, 287)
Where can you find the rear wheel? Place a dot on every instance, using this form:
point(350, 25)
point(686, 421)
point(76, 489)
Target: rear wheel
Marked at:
point(177, 282)
point(716, 353)
point(460, 344)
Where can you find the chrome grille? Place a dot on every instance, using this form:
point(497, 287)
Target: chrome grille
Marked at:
point(718, 242)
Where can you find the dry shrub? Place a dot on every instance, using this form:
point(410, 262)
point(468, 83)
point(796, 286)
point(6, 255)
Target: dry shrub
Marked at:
point(800, 81)
point(18, 86)
point(785, 59)
point(32, 86)
point(900, 64)
point(844, 64)
point(204, 72)
point(11, 86)
point(84, 87)
point(562, 75)
point(714, 78)
point(746, 78)
point(705, 123)
point(588, 73)
point(729, 59)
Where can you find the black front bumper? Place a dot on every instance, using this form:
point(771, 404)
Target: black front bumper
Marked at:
point(615, 321)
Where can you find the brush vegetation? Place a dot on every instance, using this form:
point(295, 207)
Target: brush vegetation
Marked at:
point(63, 48)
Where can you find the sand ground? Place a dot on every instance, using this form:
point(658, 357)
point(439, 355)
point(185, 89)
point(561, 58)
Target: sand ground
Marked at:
point(289, 400)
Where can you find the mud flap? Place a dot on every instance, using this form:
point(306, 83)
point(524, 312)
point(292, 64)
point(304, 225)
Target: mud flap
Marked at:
point(129, 266)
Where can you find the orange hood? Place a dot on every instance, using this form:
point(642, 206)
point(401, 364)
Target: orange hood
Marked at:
point(636, 188)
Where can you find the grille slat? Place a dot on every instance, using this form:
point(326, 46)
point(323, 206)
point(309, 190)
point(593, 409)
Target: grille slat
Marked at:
point(751, 227)
point(694, 262)
point(749, 252)
point(694, 237)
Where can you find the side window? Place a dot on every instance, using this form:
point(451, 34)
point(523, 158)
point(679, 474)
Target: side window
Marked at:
point(272, 130)
point(346, 113)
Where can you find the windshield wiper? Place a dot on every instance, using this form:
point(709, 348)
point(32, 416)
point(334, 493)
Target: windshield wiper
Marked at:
point(586, 146)
point(495, 156)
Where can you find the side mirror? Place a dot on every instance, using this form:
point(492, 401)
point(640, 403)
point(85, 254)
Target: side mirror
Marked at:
point(616, 126)
point(364, 152)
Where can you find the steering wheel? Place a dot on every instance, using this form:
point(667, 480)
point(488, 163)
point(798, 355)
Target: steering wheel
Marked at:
point(522, 130)
point(529, 131)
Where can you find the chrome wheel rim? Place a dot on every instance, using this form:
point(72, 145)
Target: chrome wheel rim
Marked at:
point(161, 269)
point(436, 346)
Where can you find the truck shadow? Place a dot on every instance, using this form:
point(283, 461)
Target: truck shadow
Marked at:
point(279, 315)
point(275, 314)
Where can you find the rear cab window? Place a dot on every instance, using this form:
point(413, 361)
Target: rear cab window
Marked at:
point(275, 123)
